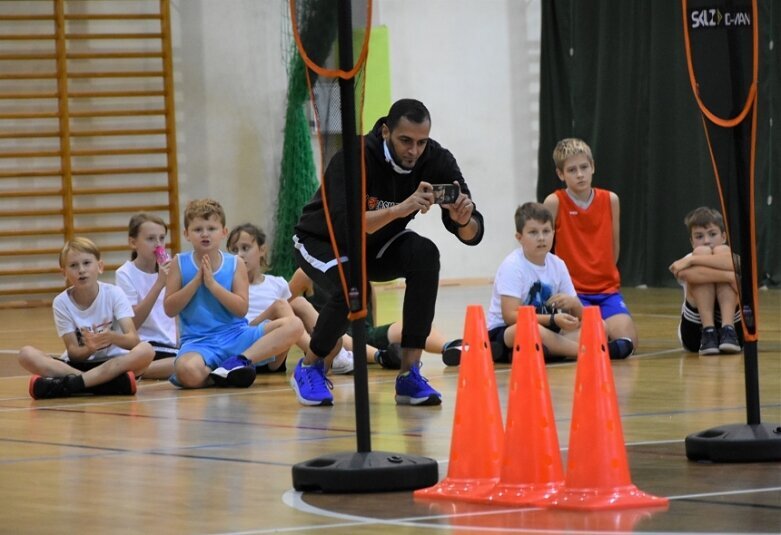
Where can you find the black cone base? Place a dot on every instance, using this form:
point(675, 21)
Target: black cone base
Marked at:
point(376, 471)
point(736, 443)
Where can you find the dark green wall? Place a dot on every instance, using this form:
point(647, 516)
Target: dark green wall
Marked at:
point(614, 73)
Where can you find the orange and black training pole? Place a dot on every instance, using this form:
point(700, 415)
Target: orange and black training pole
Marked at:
point(722, 54)
point(356, 236)
point(364, 470)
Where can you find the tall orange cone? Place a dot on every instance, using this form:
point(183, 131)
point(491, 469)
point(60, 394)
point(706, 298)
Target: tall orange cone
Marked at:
point(597, 468)
point(477, 439)
point(531, 467)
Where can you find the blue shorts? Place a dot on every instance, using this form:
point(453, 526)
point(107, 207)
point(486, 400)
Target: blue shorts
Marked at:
point(609, 304)
point(214, 350)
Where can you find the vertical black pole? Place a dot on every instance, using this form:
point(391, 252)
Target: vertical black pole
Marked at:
point(744, 146)
point(752, 383)
point(352, 180)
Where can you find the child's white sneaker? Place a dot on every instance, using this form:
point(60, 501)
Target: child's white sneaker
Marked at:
point(343, 362)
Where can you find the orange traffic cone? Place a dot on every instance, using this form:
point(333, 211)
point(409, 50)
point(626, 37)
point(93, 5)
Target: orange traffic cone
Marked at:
point(536, 520)
point(597, 468)
point(476, 443)
point(463, 517)
point(531, 468)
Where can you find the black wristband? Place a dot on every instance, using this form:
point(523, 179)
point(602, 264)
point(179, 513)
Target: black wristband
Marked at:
point(552, 326)
point(465, 224)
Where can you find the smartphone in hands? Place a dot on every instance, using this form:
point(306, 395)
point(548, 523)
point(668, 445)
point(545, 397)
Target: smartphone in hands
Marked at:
point(445, 193)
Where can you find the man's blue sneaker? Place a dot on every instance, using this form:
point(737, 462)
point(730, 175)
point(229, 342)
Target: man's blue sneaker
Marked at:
point(311, 386)
point(235, 371)
point(413, 389)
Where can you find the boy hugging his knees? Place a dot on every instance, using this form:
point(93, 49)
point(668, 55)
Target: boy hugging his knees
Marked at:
point(710, 315)
point(103, 353)
point(208, 289)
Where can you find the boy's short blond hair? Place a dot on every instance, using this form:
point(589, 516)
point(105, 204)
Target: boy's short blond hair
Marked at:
point(82, 245)
point(531, 211)
point(203, 208)
point(702, 217)
point(569, 147)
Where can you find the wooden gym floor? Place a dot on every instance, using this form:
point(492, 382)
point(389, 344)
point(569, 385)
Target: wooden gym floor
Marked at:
point(219, 461)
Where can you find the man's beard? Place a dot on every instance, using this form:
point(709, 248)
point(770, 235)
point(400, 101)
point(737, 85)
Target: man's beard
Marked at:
point(390, 157)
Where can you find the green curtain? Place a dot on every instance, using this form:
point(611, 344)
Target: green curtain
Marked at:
point(298, 177)
point(614, 73)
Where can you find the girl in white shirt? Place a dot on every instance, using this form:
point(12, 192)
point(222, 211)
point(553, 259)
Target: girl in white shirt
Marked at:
point(142, 278)
point(269, 295)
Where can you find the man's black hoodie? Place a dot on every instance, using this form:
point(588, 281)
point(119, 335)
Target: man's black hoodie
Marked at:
point(384, 188)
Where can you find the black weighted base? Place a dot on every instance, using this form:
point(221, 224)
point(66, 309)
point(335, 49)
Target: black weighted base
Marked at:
point(736, 443)
point(376, 471)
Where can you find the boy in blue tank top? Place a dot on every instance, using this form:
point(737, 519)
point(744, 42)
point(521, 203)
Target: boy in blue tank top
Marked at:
point(208, 289)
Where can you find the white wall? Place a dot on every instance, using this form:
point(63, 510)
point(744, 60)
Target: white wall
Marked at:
point(474, 64)
point(231, 84)
point(470, 63)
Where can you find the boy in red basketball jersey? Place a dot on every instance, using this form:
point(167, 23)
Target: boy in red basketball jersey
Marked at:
point(586, 215)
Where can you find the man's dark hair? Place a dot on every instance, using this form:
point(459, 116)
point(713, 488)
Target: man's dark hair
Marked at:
point(413, 110)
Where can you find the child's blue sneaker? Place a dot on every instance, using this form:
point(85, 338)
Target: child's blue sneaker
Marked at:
point(728, 340)
point(620, 348)
point(709, 341)
point(413, 389)
point(174, 380)
point(311, 385)
point(235, 371)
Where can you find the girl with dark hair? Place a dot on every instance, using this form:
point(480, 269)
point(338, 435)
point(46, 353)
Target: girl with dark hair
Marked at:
point(143, 278)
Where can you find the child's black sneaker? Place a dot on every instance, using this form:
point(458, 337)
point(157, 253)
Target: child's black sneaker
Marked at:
point(123, 384)
point(709, 341)
point(261, 369)
point(620, 348)
point(48, 387)
point(389, 358)
point(728, 340)
point(551, 358)
point(499, 352)
point(451, 353)
point(238, 372)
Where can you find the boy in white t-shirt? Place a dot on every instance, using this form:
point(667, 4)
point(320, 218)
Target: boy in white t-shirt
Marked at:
point(532, 275)
point(103, 353)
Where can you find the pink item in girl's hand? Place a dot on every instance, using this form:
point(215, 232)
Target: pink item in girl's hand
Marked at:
point(161, 254)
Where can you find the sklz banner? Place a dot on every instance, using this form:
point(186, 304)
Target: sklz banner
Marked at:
point(722, 54)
